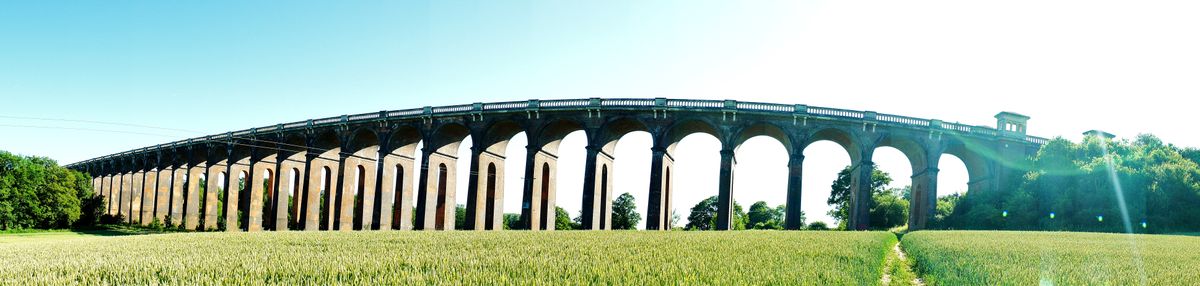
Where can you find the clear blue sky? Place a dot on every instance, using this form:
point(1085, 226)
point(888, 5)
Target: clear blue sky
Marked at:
point(218, 66)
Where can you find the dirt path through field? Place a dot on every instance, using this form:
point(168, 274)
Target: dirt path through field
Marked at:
point(899, 270)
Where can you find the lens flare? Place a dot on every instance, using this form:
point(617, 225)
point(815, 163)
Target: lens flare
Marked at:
point(1051, 215)
point(1100, 218)
point(1004, 214)
point(1119, 192)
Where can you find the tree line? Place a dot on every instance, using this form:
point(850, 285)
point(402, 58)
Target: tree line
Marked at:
point(35, 192)
point(1141, 185)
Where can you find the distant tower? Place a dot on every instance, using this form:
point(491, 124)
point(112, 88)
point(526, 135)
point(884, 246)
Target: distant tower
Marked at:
point(1011, 124)
point(1012, 152)
point(1100, 134)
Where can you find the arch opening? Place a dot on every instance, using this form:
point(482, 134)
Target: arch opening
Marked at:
point(761, 186)
point(630, 174)
point(440, 210)
point(823, 160)
point(701, 187)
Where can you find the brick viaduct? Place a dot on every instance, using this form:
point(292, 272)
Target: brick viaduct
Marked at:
point(355, 171)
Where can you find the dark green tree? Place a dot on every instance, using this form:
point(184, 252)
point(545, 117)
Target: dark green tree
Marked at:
point(460, 217)
point(562, 220)
point(889, 209)
point(839, 196)
point(817, 225)
point(512, 221)
point(762, 216)
point(624, 212)
point(704, 216)
point(37, 193)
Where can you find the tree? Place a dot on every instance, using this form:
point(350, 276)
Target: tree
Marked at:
point(460, 217)
point(762, 216)
point(512, 221)
point(840, 194)
point(624, 213)
point(889, 209)
point(562, 220)
point(37, 193)
point(818, 225)
point(1070, 186)
point(704, 216)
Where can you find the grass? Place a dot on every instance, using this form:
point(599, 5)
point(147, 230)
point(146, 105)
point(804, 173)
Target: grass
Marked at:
point(460, 257)
point(12, 236)
point(1053, 258)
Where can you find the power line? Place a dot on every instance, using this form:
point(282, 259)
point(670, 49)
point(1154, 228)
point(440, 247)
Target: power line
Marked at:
point(84, 129)
point(303, 148)
point(96, 122)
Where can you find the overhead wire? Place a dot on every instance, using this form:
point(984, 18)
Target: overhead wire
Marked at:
point(303, 148)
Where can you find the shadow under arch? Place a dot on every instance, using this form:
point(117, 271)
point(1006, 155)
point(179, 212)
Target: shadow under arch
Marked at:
point(297, 202)
point(359, 169)
point(440, 148)
point(486, 192)
point(599, 171)
point(323, 178)
point(923, 175)
point(399, 173)
point(539, 188)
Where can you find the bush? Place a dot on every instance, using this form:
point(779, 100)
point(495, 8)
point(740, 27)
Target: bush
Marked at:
point(108, 219)
point(156, 225)
point(818, 225)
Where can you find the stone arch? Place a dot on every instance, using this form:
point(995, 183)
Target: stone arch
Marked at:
point(543, 151)
point(682, 128)
point(774, 185)
point(295, 190)
point(667, 139)
point(359, 189)
point(497, 134)
point(491, 199)
point(446, 138)
point(399, 161)
point(547, 211)
point(217, 184)
point(324, 185)
point(324, 159)
point(442, 186)
point(613, 130)
point(237, 194)
point(977, 160)
point(605, 196)
point(441, 148)
point(848, 139)
point(762, 128)
point(548, 136)
point(486, 192)
point(264, 193)
point(599, 168)
point(913, 149)
point(292, 208)
point(923, 173)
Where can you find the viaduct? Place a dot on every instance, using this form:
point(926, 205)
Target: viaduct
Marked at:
point(354, 172)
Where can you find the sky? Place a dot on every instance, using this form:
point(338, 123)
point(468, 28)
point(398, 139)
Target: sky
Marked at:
point(173, 70)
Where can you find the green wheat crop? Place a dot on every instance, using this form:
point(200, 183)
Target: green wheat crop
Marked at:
point(1053, 258)
point(456, 257)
